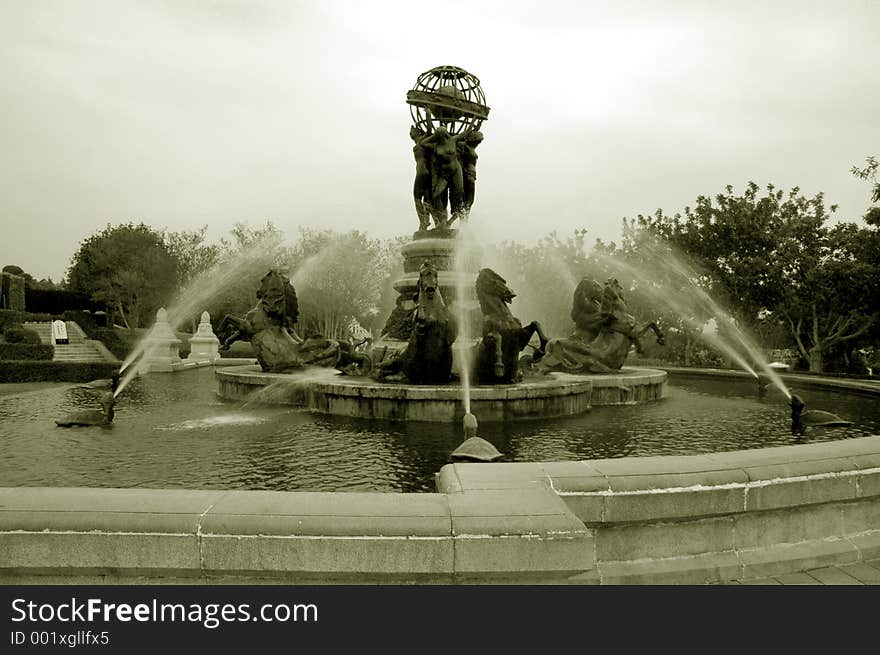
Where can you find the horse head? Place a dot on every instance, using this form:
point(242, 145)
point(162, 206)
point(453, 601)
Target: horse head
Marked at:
point(278, 298)
point(493, 293)
point(429, 301)
point(612, 297)
point(428, 280)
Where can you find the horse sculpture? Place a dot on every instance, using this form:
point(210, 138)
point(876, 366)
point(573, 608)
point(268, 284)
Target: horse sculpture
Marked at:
point(427, 357)
point(603, 335)
point(504, 337)
point(269, 328)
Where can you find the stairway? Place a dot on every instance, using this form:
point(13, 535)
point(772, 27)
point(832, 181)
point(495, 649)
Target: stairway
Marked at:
point(79, 349)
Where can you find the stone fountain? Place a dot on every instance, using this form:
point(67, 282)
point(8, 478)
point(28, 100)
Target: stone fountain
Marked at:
point(415, 371)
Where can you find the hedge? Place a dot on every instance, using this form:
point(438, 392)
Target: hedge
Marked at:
point(115, 344)
point(10, 317)
point(30, 317)
point(38, 371)
point(19, 334)
point(28, 351)
point(81, 318)
point(55, 301)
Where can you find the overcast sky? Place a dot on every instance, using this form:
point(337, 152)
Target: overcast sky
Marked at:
point(184, 113)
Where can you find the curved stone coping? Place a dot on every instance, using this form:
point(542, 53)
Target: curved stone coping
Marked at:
point(693, 519)
point(867, 387)
point(554, 395)
point(342, 537)
point(710, 518)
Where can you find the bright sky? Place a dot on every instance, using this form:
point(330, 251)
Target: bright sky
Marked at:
point(184, 113)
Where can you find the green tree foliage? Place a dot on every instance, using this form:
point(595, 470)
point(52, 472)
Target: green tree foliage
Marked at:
point(242, 260)
point(338, 278)
point(543, 276)
point(192, 255)
point(871, 174)
point(774, 257)
point(129, 268)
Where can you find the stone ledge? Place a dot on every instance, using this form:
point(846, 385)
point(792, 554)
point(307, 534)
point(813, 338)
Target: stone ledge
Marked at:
point(692, 486)
point(553, 395)
point(351, 537)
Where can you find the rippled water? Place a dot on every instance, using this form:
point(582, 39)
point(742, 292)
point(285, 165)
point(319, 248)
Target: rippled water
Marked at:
point(171, 430)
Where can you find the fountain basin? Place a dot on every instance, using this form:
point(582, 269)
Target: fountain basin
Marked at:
point(553, 395)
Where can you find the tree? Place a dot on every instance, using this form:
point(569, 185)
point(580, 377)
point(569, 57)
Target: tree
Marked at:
point(338, 279)
point(128, 267)
point(243, 259)
point(192, 256)
point(773, 256)
point(870, 174)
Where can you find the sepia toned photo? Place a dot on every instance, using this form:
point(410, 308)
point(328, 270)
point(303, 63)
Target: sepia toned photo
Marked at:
point(476, 293)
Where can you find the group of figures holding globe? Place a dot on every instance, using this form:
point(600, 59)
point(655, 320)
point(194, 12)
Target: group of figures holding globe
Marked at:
point(446, 174)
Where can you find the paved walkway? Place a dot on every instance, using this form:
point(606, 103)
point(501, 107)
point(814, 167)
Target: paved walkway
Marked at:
point(859, 573)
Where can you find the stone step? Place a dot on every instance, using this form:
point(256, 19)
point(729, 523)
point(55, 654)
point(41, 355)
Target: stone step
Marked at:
point(77, 350)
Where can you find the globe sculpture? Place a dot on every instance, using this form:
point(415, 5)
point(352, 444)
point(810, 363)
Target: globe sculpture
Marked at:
point(448, 108)
point(448, 96)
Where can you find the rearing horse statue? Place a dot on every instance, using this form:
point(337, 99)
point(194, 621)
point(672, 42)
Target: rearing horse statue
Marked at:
point(603, 334)
point(269, 327)
point(427, 358)
point(504, 336)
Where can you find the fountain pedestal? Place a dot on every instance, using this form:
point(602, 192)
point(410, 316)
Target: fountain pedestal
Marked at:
point(553, 395)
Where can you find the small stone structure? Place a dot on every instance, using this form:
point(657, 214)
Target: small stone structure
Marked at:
point(204, 345)
point(162, 347)
point(59, 333)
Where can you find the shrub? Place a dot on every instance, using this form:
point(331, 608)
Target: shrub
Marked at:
point(83, 319)
point(115, 344)
point(40, 318)
point(56, 301)
point(27, 351)
point(18, 334)
point(10, 317)
point(42, 371)
point(239, 349)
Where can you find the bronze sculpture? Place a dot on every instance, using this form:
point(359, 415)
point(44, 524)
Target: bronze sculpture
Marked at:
point(448, 108)
point(467, 155)
point(269, 328)
point(427, 357)
point(603, 334)
point(422, 187)
point(504, 337)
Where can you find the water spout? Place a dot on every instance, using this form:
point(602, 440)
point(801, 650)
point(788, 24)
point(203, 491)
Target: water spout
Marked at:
point(463, 343)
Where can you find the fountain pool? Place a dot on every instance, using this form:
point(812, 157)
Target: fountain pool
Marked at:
point(173, 431)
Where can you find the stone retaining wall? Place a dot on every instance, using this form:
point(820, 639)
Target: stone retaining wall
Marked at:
point(695, 519)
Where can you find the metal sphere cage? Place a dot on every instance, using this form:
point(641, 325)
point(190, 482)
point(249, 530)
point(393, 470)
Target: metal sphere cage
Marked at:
point(447, 96)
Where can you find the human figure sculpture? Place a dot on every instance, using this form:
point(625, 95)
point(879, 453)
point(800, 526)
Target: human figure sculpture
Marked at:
point(422, 187)
point(427, 357)
point(467, 156)
point(446, 175)
point(269, 327)
point(504, 337)
point(603, 335)
point(399, 323)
